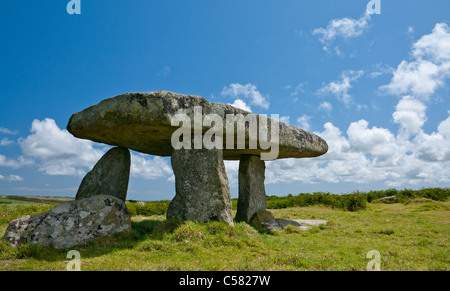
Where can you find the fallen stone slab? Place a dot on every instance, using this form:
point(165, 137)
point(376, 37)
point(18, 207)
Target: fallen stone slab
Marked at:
point(142, 122)
point(388, 199)
point(313, 222)
point(71, 223)
point(109, 176)
point(281, 224)
point(266, 220)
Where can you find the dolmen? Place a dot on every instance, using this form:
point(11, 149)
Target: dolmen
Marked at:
point(198, 135)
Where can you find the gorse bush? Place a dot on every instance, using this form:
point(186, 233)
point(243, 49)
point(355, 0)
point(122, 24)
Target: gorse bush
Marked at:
point(438, 194)
point(349, 202)
point(355, 201)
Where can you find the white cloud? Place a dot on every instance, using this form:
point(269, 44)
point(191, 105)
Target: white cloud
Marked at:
point(364, 139)
point(419, 78)
point(304, 122)
point(246, 92)
point(11, 178)
point(370, 154)
point(380, 69)
point(7, 131)
point(58, 152)
point(428, 69)
point(344, 28)
point(148, 167)
point(444, 128)
point(326, 106)
point(340, 88)
point(13, 163)
point(285, 119)
point(435, 46)
point(232, 169)
point(5, 141)
point(238, 103)
point(410, 114)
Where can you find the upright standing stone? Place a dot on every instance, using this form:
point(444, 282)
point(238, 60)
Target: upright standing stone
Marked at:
point(201, 184)
point(109, 176)
point(252, 194)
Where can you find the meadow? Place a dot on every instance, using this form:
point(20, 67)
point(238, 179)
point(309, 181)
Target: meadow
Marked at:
point(410, 233)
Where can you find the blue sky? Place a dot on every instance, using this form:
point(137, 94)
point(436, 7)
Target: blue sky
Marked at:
point(374, 86)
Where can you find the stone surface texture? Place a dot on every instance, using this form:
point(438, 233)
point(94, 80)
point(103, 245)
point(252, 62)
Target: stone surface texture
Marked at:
point(142, 122)
point(252, 194)
point(266, 220)
point(109, 176)
point(71, 223)
point(202, 190)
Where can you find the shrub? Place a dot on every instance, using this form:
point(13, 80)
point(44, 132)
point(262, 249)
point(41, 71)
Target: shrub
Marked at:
point(350, 202)
point(354, 202)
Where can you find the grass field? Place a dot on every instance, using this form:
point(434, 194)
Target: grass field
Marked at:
point(412, 235)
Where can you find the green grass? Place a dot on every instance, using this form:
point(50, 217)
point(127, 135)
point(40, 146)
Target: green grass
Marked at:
point(409, 236)
point(9, 201)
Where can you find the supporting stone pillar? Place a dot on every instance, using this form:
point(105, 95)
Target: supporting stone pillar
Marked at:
point(252, 194)
point(201, 184)
point(109, 176)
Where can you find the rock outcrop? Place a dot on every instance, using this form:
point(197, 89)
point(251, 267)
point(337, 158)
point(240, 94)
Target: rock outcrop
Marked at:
point(71, 223)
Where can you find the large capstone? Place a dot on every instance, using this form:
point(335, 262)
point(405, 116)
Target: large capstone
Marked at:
point(71, 223)
point(143, 122)
point(252, 194)
point(201, 184)
point(109, 176)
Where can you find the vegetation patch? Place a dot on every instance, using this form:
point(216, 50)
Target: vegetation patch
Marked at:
point(410, 235)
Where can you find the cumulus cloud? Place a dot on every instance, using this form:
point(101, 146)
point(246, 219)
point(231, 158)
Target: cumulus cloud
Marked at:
point(340, 88)
point(410, 114)
point(149, 167)
point(343, 28)
point(246, 92)
point(370, 154)
point(428, 68)
point(58, 152)
point(367, 154)
point(238, 103)
point(365, 139)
